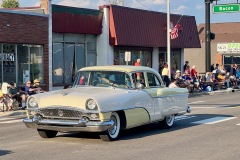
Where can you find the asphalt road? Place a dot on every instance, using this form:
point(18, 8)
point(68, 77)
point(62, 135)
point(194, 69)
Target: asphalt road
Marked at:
point(209, 132)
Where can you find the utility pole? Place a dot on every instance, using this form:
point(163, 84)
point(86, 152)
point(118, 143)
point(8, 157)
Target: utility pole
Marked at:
point(168, 40)
point(207, 35)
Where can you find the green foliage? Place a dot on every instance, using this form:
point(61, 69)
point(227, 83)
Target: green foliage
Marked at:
point(10, 4)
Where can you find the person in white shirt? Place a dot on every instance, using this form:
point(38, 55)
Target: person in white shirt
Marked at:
point(173, 84)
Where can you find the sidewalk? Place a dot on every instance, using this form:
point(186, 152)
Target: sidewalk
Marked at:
point(224, 91)
point(18, 113)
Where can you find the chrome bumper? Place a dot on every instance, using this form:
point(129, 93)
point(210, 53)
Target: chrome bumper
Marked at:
point(67, 125)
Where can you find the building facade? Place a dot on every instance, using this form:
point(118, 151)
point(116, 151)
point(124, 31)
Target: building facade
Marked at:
point(225, 48)
point(85, 37)
point(23, 47)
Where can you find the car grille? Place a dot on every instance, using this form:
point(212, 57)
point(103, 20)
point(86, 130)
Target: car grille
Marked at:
point(60, 113)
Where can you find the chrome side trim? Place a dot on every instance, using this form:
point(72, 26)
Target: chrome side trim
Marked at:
point(68, 125)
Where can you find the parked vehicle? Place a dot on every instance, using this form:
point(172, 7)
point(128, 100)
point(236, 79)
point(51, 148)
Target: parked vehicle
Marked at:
point(107, 99)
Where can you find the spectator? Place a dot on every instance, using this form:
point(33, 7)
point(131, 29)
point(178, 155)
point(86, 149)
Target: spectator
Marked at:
point(216, 67)
point(187, 71)
point(233, 81)
point(172, 72)
point(28, 89)
point(173, 84)
point(212, 67)
point(165, 74)
point(209, 80)
point(185, 65)
point(82, 80)
point(15, 93)
point(194, 77)
point(138, 63)
point(36, 86)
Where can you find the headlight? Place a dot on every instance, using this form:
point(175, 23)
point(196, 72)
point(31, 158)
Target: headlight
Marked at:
point(91, 105)
point(32, 102)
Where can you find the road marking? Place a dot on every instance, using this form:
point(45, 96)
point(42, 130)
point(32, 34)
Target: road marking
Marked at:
point(10, 120)
point(196, 102)
point(238, 124)
point(203, 107)
point(178, 118)
point(234, 107)
point(214, 120)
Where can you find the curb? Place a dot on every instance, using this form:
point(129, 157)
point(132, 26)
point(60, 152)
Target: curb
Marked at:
point(213, 92)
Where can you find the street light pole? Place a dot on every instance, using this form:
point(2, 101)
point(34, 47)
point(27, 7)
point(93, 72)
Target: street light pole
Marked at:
point(207, 35)
point(50, 44)
point(168, 39)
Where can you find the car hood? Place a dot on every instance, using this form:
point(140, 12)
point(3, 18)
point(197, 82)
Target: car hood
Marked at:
point(107, 98)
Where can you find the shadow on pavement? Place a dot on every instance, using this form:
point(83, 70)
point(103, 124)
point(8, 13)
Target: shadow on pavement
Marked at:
point(5, 152)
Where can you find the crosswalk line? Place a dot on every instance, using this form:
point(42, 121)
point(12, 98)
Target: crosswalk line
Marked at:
point(9, 120)
point(179, 118)
point(214, 120)
point(238, 124)
point(196, 102)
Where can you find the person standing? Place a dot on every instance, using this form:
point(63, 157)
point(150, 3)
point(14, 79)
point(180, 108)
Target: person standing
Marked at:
point(185, 65)
point(138, 63)
point(165, 74)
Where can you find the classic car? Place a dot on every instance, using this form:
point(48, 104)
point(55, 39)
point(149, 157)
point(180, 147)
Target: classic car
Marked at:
point(107, 99)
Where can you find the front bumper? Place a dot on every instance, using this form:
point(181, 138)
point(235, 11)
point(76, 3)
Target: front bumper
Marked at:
point(68, 125)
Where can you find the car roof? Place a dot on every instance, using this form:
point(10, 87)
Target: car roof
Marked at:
point(125, 68)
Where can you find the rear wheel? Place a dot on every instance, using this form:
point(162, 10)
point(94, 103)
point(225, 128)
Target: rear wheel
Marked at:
point(47, 133)
point(167, 122)
point(112, 133)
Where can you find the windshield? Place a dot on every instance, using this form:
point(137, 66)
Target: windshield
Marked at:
point(103, 79)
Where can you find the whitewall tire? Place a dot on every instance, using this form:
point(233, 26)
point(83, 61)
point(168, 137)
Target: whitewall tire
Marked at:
point(168, 121)
point(112, 133)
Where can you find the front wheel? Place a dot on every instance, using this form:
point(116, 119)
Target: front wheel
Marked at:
point(47, 133)
point(112, 133)
point(167, 122)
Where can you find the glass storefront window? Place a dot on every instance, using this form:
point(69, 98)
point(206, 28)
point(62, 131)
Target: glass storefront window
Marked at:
point(20, 63)
point(230, 59)
point(58, 65)
point(23, 64)
point(36, 63)
point(80, 56)
point(91, 54)
point(8, 63)
point(68, 58)
point(69, 62)
point(144, 56)
point(30, 63)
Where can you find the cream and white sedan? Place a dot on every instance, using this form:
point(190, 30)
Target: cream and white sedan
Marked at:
point(107, 99)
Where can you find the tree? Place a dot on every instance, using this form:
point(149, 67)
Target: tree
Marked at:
point(10, 4)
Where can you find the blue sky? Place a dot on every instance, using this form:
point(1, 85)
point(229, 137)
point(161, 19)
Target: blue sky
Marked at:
point(186, 7)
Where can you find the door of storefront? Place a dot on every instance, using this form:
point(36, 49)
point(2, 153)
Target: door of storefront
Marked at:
point(175, 59)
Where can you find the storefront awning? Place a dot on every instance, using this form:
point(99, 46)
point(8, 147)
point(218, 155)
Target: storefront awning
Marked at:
point(76, 20)
point(135, 27)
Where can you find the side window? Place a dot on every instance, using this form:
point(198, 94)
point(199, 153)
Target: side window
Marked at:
point(153, 80)
point(138, 77)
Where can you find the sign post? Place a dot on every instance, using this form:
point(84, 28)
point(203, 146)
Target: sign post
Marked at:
point(127, 57)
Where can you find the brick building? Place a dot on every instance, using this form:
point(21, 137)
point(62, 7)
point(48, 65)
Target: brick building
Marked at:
point(225, 34)
point(23, 47)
